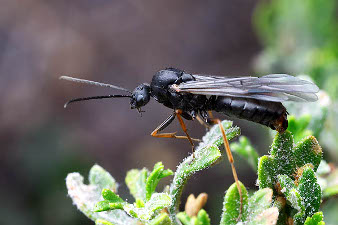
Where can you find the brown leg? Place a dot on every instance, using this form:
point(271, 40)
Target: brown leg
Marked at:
point(202, 122)
point(231, 160)
point(185, 130)
point(163, 125)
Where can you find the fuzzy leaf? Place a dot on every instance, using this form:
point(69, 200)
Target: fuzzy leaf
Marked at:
point(184, 218)
point(102, 222)
point(267, 217)
point(281, 150)
point(112, 201)
point(292, 193)
point(206, 155)
point(259, 202)
point(136, 182)
point(295, 199)
point(310, 191)
point(316, 219)
point(308, 151)
point(100, 177)
point(231, 204)
point(286, 183)
point(86, 196)
point(244, 149)
point(162, 219)
point(101, 206)
point(156, 202)
point(214, 135)
point(111, 196)
point(155, 176)
point(266, 172)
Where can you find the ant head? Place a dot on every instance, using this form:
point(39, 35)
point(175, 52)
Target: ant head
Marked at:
point(141, 96)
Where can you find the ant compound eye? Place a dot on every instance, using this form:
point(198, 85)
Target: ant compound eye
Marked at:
point(139, 99)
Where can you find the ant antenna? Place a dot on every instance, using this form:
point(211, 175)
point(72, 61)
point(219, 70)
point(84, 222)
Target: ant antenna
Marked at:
point(93, 83)
point(95, 97)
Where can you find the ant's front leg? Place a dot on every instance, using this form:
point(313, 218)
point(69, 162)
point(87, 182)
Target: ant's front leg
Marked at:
point(165, 124)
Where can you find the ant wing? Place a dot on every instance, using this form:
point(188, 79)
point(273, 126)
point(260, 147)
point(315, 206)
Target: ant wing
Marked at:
point(273, 87)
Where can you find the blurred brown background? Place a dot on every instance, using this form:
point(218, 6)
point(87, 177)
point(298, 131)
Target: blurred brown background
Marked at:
point(118, 42)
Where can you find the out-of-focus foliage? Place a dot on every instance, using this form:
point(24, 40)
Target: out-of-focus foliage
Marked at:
point(299, 37)
point(244, 149)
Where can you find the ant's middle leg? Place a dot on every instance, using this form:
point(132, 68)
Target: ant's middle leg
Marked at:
point(185, 130)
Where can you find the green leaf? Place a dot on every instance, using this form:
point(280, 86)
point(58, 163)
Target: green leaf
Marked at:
point(316, 219)
point(310, 191)
point(139, 203)
point(244, 149)
point(308, 151)
point(281, 149)
point(259, 202)
point(289, 189)
point(111, 196)
point(155, 176)
point(206, 155)
point(295, 199)
point(102, 222)
point(231, 204)
point(298, 127)
point(184, 218)
point(101, 178)
point(101, 206)
point(136, 182)
point(286, 183)
point(214, 135)
point(203, 217)
point(267, 217)
point(162, 219)
point(288, 170)
point(266, 172)
point(157, 201)
point(112, 201)
point(86, 196)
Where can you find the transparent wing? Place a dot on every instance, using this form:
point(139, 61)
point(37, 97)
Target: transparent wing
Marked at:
point(273, 87)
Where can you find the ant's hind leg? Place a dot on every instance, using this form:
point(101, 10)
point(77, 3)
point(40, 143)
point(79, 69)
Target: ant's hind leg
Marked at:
point(231, 160)
point(165, 124)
